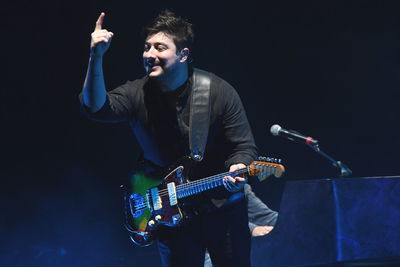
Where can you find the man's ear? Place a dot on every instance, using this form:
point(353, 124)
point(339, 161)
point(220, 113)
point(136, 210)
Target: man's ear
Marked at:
point(184, 55)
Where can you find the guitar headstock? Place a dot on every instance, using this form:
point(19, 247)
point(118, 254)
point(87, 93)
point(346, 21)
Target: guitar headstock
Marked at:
point(266, 167)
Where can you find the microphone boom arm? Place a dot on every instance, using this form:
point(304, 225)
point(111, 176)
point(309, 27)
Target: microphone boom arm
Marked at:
point(344, 170)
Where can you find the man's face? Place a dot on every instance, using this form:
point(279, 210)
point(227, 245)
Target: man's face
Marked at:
point(160, 56)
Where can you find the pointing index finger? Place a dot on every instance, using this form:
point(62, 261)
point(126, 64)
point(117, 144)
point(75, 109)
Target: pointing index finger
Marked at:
point(99, 22)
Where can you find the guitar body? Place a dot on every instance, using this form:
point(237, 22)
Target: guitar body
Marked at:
point(153, 202)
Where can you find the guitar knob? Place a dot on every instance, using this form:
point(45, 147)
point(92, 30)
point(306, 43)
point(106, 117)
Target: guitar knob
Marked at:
point(158, 217)
point(151, 223)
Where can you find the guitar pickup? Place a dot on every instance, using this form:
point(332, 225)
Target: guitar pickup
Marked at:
point(173, 200)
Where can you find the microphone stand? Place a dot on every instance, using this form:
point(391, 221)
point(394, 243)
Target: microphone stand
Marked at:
point(344, 170)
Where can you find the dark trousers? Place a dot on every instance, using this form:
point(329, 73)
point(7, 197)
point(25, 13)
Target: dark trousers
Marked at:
point(224, 232)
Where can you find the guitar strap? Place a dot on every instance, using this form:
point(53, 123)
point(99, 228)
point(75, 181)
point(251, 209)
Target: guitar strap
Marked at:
point(200, 109)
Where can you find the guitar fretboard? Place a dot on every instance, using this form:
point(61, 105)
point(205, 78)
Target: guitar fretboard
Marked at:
point(198, 186)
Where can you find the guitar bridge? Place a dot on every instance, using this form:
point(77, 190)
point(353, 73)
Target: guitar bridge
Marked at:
point(137, 205)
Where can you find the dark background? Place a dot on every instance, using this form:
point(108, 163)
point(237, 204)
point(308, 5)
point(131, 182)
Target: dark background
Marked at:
point(326, 69)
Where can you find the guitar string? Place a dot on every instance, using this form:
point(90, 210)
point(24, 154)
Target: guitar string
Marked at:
point(194, 184)
point(202, 182)
point(205, 181)
point(182, 187)
point(194, 190)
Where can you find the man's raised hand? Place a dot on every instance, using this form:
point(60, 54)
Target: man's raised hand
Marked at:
point(101, 38)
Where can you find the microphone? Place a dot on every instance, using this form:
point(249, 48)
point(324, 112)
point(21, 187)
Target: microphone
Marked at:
point(293, 135)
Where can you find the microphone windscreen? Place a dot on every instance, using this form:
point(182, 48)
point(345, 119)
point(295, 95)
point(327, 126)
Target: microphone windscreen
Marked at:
point(275, 129)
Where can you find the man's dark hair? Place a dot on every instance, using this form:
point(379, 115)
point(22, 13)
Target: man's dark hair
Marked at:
point(176, 27)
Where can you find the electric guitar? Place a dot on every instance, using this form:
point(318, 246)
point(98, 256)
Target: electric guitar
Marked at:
point(156, 203)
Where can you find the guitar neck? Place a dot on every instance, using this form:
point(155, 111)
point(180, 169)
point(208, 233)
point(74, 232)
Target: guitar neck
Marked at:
point(201, 185)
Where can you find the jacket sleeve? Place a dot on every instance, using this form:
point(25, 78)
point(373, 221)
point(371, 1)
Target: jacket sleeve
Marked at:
point(259, 213)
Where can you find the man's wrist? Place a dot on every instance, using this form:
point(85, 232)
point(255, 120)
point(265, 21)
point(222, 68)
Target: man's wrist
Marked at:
point(94, 55)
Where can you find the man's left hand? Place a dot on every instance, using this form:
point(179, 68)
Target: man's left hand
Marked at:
point(235, 184)
point(261, 230)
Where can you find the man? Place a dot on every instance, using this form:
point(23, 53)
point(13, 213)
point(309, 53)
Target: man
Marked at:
point(158, 107)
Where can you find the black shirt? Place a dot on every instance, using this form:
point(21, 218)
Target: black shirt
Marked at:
point(160, 122)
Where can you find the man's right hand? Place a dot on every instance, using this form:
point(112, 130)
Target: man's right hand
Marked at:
point(101, 38)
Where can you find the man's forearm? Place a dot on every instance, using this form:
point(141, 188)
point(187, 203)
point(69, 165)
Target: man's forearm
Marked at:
point(94, 89)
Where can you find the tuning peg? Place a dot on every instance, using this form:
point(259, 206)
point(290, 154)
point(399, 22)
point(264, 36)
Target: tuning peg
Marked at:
point(261, 158)
point(271, 160)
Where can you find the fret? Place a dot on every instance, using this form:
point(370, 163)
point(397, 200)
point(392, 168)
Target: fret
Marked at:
point(198, 186)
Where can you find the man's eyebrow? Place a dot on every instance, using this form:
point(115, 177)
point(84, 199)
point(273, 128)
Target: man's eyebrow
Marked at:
point(156, 43)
